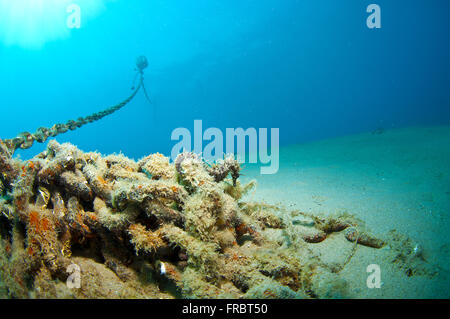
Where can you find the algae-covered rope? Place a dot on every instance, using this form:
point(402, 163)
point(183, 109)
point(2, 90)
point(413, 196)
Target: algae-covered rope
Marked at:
point(25, 140)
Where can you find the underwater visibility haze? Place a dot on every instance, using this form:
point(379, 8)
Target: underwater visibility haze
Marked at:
point(224, 149)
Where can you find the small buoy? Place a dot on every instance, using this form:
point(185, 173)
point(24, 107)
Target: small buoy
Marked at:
point(141, 62)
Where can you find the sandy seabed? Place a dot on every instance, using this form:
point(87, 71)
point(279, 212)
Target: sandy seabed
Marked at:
point(392, 180)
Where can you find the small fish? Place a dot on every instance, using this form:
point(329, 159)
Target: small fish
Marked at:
point(44, 196)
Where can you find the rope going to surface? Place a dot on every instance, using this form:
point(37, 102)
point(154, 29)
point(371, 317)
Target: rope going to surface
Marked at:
point(25, 139)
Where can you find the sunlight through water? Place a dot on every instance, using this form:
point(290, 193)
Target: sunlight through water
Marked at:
point(33, 23)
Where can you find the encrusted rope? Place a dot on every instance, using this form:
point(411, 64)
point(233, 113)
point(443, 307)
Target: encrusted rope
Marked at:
point(25, 139)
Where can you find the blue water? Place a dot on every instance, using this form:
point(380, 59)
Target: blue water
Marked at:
point(311, 68)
